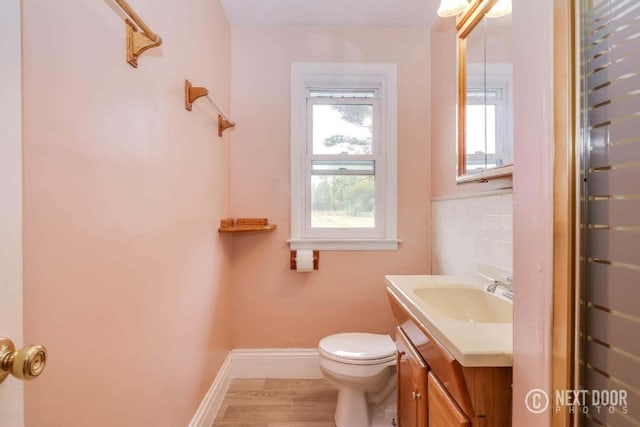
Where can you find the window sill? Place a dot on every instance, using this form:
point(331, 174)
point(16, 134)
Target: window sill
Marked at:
point(345, 244)
point(485, 175)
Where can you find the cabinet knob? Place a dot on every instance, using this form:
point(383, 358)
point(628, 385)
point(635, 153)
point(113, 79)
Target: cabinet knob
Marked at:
point(416, 395)
point(25, 364)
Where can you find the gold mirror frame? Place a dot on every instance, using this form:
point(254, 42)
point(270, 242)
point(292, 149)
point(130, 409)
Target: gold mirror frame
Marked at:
point(467, 22)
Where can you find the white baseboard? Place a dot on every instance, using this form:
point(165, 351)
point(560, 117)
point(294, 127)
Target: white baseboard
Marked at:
point(275, 363)
point(206, 413)
point(255, 363)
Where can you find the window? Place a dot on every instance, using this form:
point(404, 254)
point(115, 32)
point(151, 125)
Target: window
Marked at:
point(343, 156)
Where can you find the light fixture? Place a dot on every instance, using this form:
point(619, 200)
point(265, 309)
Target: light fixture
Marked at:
point(452, 7)
point(501, 8)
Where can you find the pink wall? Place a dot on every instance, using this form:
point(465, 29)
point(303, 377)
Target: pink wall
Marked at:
point(533, 205)
point(126, 280)
point(272, 305)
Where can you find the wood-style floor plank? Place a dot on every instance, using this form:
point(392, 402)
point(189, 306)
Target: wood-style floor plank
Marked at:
point(278, 403)
point(288, 412)
point(303, 424)
point(246, 384)
point(302, 384)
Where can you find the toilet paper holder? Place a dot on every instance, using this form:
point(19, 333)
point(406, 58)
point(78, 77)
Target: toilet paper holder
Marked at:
point(294, 264)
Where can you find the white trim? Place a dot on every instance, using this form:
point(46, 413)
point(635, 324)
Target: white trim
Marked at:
point(255, 363)
point(503, 171)
point(206, 413)
point(345, 244)
point(11, 200)
point(275, 363)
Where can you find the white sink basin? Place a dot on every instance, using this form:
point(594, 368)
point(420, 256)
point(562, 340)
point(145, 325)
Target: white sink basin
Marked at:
point(467, 304)
point(475, 326)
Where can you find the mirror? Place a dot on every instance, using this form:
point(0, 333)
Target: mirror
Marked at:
point(485, 94)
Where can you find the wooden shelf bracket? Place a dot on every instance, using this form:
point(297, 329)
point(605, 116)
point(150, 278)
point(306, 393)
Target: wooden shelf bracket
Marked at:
point(191, 93)
point(140, 38)
point(223, 124)
point(137, 43)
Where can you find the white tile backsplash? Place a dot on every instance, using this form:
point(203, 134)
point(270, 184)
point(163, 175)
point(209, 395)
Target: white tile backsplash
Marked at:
point(467, 232)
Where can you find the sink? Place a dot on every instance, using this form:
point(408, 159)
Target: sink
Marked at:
point(473, 325)
point(466, 304)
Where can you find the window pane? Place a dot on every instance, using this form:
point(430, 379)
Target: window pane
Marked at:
point(491, 129)
point(343, 201)
point(480, 137)
point(474, 132)
point(343, 128)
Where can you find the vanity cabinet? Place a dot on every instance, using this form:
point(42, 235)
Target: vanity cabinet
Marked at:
point(435, 390)
point(412, 384)
point(443, 410)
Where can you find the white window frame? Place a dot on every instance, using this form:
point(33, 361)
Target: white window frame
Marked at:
point(331, 76)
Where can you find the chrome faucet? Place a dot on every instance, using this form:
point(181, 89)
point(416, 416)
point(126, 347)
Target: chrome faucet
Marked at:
point(507, 285)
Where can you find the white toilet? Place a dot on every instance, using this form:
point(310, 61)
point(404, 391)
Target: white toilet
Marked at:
point(362, 367)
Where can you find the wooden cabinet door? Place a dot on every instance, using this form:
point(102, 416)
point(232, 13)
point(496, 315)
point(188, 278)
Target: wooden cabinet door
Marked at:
point(412, 384)
point(443, 410)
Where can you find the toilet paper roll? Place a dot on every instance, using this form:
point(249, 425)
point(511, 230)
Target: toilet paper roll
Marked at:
point(304, 261)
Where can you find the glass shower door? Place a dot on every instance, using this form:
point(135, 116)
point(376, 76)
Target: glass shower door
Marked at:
point(610, 223)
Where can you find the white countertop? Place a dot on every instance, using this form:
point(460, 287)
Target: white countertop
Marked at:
point(472, 344)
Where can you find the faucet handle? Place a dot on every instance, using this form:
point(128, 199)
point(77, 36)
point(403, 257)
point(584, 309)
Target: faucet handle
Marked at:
point(491, 287)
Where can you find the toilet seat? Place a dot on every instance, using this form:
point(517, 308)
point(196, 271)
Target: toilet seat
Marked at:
point(358, 348)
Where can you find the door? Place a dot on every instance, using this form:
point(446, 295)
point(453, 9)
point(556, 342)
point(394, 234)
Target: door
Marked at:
point(443, 410)
point(610, 243)
point(412, 384)
point(11, 390)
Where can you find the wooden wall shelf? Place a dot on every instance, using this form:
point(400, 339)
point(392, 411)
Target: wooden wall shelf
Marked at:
point(239, 225)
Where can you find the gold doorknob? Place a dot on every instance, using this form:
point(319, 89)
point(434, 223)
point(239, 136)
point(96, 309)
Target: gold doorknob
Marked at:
point(25, 364)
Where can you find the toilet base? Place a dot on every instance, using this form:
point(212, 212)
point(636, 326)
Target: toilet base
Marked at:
point(352, 409)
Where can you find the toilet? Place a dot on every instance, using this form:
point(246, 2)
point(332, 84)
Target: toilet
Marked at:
point(362, 367)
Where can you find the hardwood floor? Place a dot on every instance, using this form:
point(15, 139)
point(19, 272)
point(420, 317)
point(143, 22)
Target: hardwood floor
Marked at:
point(278, 403)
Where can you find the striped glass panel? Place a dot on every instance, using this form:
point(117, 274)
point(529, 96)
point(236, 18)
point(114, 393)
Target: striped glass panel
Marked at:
point(610, 291)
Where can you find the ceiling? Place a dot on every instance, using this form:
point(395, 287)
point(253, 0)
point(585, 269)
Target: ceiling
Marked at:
point(395, 13)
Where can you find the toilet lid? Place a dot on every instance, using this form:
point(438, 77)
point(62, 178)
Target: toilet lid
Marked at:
point(358, 347)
